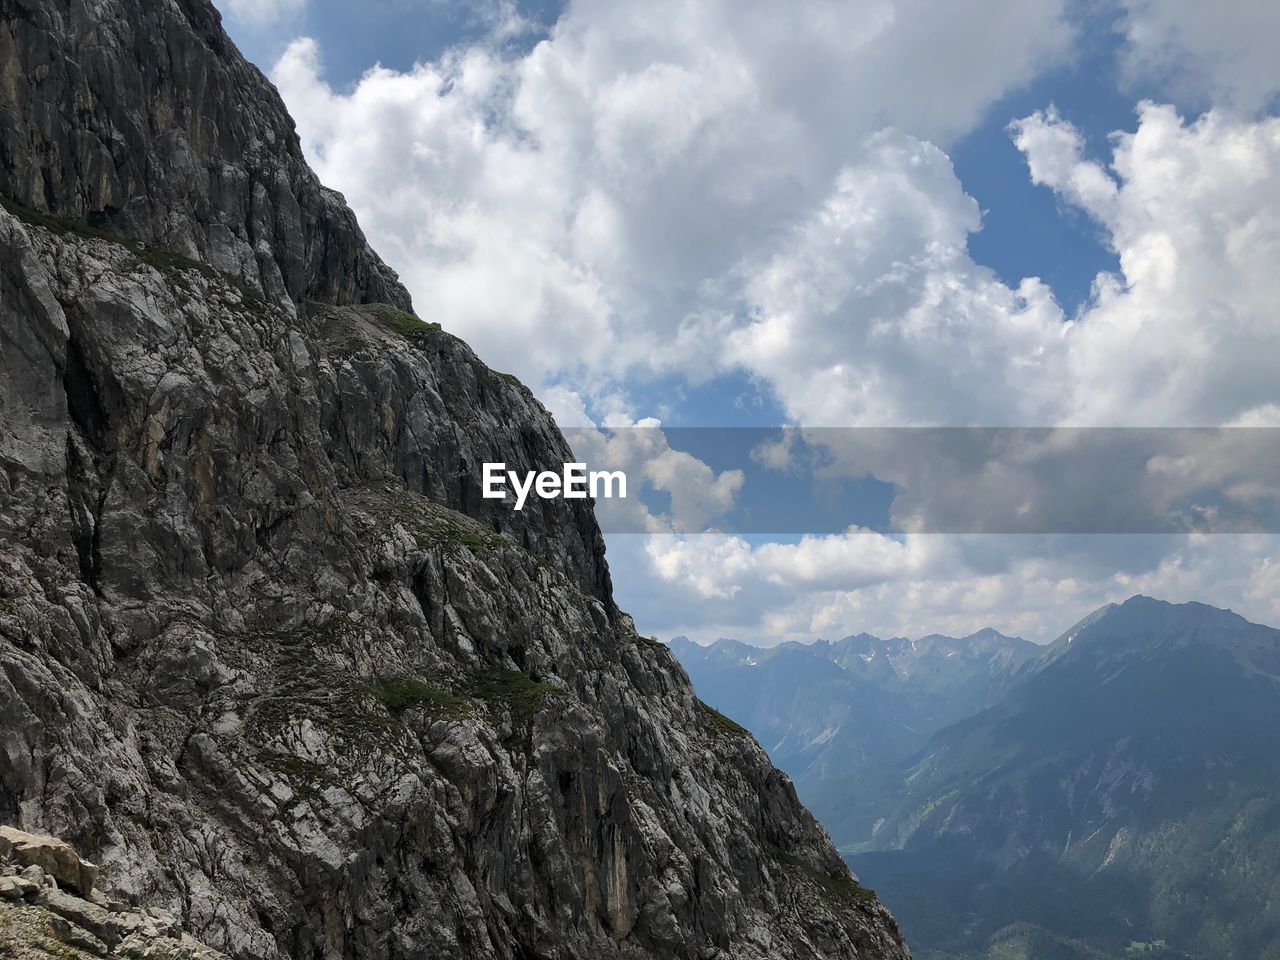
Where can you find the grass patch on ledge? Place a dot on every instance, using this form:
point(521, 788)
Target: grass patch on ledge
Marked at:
point(510, 379)
point(162, 259)
point(722, 724)
point(413, 328)
point(407, 693)
point(404, 323)
point(523, 696)
point(837, 891)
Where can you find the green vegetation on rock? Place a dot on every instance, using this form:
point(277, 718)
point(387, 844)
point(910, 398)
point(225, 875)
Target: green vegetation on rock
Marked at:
point(839, 892)
point(311, 684)
point(404, 323)
point(519, 693)
point(719, 722)
point(408, 693)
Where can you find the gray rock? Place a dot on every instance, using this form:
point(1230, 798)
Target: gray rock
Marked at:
point(38, 920)
point(265, 653)
point(103, 925)
point(141, 118)
point(42, 855)
point(15, 888)
point(74, 936)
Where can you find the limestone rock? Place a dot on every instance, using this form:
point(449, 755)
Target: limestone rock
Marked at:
point(39, 920)
point(51, 855)
point(139, 117)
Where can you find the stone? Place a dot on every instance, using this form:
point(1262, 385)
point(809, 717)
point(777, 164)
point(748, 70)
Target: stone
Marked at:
point(49, 855)
point(74, 936)
point(104, 925)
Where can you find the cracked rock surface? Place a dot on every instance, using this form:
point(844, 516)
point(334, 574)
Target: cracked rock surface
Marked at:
point(267, 658)
point(39, 918)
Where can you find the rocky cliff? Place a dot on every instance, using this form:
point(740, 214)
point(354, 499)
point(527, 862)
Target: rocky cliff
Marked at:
point(266, 656)
point(49, 908)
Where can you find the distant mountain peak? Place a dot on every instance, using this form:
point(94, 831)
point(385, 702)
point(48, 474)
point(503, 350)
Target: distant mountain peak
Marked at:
point(1143, 622)
point(1120, 769)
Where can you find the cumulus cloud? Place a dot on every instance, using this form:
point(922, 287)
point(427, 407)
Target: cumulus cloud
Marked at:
point(695, 493)
point(585, 207)
point(873, 311)
point(1193, 209)
point(1210, 53)
point(618, 202)
point(1183, 334)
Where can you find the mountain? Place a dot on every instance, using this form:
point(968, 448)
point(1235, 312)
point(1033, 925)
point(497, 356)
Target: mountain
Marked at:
point(1124, 792)
point(839, 717)
point(267, 657)
point(961, 671)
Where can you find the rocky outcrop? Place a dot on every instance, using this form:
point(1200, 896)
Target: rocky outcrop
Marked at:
point(266, 656)
point(51, 855)
point(40, 919)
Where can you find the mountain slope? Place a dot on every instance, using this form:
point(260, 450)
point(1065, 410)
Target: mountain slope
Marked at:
point(265, 653)
point(839, 717)
point(1125, 791)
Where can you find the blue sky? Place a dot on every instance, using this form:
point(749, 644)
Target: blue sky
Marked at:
point(872, 213)
point(395, 33)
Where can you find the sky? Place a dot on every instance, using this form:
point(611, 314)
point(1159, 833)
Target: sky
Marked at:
point(871, 213)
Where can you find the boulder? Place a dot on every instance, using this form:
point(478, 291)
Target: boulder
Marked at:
point(53, 856)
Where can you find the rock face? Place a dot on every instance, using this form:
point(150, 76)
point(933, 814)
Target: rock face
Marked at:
point(138, 116)
point(40, 919)
point(266, 656)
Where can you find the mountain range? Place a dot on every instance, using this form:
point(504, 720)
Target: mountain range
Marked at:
point(1112, 794)
point(834, 715)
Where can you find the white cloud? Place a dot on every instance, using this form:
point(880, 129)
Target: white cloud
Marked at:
point(1211, 53)
point(872, 312)
point(569, 208)
point(696, 493)
point(713, 586)
point(623, 199)
point(1185, 334)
